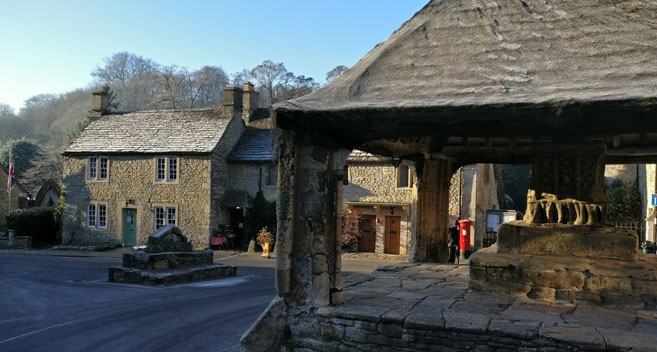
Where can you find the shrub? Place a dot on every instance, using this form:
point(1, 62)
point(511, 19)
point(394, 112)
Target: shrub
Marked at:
point(40, 223)
point(350, 233)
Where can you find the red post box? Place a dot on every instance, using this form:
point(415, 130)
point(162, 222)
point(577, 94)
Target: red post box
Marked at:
point(464, 238)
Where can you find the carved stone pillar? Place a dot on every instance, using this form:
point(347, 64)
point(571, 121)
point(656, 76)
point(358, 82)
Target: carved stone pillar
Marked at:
point(432, 217)
point(308, 255)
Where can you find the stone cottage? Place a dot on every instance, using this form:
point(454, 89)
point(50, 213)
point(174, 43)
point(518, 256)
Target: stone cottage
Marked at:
point(128, 174)
point(383, 194)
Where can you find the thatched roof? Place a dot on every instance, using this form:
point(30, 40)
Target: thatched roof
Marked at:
point(483, 55)
point(154, 131)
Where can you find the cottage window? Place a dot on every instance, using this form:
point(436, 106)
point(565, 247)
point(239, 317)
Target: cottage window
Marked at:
point(91, 215)
point(97, 168)
point(272, 174)
point(102, 216)
point(166, 169)
point(161, 165)
point(171, 216)
point(164, 216)
point(173, 169)
point(404, 176)
point(103, 169)
point(97, 216)
point(92, 162)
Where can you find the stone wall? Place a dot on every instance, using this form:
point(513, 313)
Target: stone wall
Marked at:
point(251, 178)
point(219, 171)
point(624, 172)
point(375, 183)
point(479, 193)
point(131, 184)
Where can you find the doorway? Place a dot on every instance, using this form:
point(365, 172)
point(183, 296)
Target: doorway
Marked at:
point(367, 229)
point(392, 235)
point(129, 227)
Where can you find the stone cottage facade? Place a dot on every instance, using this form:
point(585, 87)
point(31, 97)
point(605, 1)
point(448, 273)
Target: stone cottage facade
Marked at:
point(128, 174)
point(383, 194)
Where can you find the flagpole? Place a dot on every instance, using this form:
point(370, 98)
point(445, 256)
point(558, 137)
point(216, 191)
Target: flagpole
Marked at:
point(8, 185)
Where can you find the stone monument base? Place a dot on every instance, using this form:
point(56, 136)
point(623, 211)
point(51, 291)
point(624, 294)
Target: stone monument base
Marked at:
point(565, 278)
point(168, 268)
point(566, 262)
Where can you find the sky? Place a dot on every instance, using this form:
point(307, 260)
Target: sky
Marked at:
point(52, 46)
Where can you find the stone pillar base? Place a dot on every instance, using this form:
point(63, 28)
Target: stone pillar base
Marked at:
point(565, 278)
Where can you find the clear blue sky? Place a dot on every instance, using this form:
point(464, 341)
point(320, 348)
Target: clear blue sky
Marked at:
point(52, 46)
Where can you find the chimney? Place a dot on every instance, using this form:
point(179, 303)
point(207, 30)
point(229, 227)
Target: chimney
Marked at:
point(250, 101)
point(233, 101)
point(99, 102)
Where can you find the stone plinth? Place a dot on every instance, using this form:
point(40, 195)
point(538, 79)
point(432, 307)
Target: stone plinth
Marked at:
point(166, 260)
point(561, 278)
point(169, 268)
point(171, 277)
point(583, 241)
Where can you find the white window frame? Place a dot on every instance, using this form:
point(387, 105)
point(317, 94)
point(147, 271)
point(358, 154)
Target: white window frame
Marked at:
point(94, 172)
point(91, 215)
point(410, 180)
point(166, 219)
point(95, 215)
point(168, 169)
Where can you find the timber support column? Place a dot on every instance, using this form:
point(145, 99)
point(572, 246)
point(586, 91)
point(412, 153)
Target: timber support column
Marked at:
point(430, 242)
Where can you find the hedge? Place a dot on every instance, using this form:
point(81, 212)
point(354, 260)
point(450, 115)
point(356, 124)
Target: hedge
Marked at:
point(40, 223)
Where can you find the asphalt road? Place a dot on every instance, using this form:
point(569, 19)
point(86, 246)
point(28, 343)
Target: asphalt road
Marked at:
point(64, 303)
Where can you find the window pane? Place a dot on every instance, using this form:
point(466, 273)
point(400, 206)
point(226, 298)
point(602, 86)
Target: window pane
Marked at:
point(173, 169)
point(160, 169)
point(271, 174)
point(102, 215)
point(159, 217)
point(103, 169)
point(403, 176)
point(92, 168)
point(91, 215)
point(171, 216)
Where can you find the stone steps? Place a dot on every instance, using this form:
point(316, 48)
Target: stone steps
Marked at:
point(170, 277)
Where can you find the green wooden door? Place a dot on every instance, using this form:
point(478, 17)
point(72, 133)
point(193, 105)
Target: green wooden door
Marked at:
point(129, 227)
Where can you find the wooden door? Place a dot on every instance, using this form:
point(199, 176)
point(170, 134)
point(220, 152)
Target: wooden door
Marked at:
point(129, 227)
point(367, 229)
point(391, 234)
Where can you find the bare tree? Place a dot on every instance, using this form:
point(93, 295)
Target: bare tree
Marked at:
point(268, 73)
point(239, 78)
point(172, 83)
point(335, 72)
point(6, 111)
point(292, 86)
point(209, 83)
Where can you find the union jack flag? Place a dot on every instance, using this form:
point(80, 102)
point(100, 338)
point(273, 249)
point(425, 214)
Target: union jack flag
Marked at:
point(11, 179)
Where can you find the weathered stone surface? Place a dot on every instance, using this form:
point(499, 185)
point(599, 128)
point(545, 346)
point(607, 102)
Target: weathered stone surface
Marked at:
point(267, 333)
point(171, 277)
point(168, 239)
point(581, 337)
point(466, 321)
point(166, 260)
point(567, 240)
point(526, 330)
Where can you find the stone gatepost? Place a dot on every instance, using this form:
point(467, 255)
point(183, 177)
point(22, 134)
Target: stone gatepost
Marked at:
point(430, 241)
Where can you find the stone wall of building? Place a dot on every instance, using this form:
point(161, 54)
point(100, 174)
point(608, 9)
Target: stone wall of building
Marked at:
point(219, 171)
point(251, 178)
point(376, 183)
point(131, 184)
point(624, 172)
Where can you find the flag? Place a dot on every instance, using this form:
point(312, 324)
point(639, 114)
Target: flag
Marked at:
point(11, 179)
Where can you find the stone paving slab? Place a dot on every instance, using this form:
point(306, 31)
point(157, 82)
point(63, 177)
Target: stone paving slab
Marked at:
point(421, 306)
